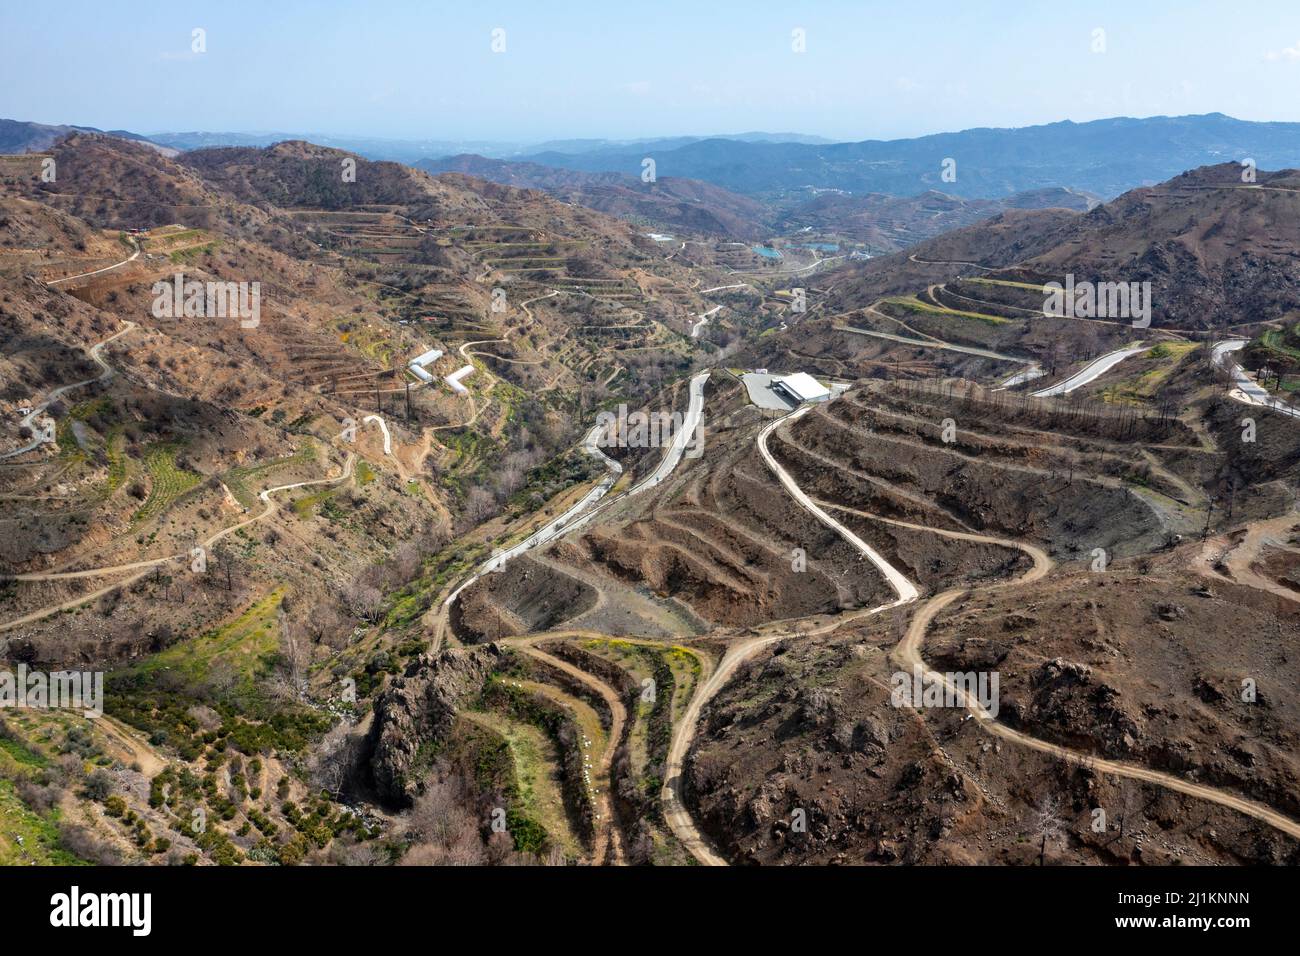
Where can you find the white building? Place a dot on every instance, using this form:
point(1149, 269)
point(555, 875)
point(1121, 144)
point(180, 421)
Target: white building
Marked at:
point(454, 379)
point(417, 365)
point(801, 387)
point(428, 358)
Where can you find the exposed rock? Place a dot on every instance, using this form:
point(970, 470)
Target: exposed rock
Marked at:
point(1171, 612)
point(1060, 673)
point(418, 708)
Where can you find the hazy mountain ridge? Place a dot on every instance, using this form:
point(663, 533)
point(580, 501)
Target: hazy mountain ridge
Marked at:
point(882, 221)
point(1105, 157)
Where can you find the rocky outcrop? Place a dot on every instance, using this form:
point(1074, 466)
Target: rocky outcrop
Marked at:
point(419, 708)
point(1069, 698)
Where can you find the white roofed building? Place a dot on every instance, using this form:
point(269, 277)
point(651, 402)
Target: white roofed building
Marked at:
point(428, 358)
point(801, 387)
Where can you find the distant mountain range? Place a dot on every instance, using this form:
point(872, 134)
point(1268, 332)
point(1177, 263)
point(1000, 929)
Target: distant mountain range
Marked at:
point(19, 136)
point(884, 222)
point(1104, 157)
point(750, 186)
point(413, 150)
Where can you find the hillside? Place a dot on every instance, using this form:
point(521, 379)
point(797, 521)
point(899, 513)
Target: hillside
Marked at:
point(17, 136)
point(680, 204)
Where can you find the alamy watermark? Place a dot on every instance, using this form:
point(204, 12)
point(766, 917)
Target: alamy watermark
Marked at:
point(208, 300)
point(60, 690)
point(1099, 300)
point(922, 688)
point(640, 429)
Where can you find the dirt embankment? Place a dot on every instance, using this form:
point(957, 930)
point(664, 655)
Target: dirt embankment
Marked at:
point(1069, 512)
point(525, 596)
point(724, 539)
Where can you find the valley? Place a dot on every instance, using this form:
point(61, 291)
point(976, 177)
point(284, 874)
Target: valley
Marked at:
point(472, 545)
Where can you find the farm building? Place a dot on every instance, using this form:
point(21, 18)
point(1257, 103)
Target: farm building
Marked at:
point(801, 387)
point(417, 365)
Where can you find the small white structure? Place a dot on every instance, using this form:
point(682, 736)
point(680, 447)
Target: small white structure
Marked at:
point(801, 387)
point(454, 379)
point(428, 358)
point(417, 365)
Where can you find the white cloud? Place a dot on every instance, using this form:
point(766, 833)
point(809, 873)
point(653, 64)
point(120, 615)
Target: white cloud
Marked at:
point(1286, 53)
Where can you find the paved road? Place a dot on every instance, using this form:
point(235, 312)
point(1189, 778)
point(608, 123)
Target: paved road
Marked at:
point(547, 533)
point(704, 320)
point(383, 427)
point(1090, 372)
point(1244, 388)
point(581, 513)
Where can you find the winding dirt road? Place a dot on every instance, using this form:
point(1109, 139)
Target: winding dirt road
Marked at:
point(675, 811)
point(606, 844)
point(908, 654)
point(143, 567)
point(95, 353)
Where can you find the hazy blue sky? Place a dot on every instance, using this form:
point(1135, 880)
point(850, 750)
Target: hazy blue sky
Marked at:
point(629, 69)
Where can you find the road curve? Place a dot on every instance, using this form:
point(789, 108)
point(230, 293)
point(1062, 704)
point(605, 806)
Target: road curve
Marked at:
point(383, 427)
point(1090, 372)
point(606, 838)
point(1244, 389)
point(265, 496)
point(675, 811)
point(107, 373)
point(590, 504)
point(904, 588)
point(908, 654)
point(131, 258)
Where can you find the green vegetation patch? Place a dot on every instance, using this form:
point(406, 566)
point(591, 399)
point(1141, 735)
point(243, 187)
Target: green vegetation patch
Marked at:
point(240, 480)
point(241, 651)
point(27, 837)
point(169, 482)
point(917, 306)
point(1140, 389)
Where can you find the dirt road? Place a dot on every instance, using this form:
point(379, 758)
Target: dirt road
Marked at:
point(607, 845)
point(146, 566)
point(908, 655)
point(95, 353)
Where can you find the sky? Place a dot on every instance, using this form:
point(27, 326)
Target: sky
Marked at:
point(623, 70)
